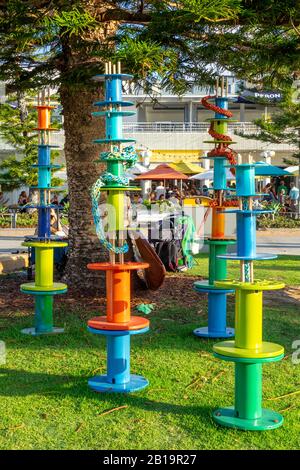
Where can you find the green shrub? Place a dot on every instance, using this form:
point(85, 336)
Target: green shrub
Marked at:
point(279, 221)
point(24, 220)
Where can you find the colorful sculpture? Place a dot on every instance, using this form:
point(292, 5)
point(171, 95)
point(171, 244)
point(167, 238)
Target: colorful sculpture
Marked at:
point(249, 352)
point(117, 325)
point(43, 288)
point(218, 242)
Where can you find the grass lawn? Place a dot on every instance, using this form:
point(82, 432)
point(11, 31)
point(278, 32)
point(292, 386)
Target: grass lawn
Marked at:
point(285, 268)
point(45, 402)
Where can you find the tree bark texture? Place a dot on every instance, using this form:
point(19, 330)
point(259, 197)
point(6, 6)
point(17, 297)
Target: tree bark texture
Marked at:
point(82, 171)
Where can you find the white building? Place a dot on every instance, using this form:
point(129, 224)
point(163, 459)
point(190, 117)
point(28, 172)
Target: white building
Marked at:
point(175, 128)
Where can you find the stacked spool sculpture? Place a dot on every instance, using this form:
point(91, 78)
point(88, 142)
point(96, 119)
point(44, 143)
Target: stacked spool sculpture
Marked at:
point(249, 352)
point(43, 288)
point(218, 242)
point(117, 325)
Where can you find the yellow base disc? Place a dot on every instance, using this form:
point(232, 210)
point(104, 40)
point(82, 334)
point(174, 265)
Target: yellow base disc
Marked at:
point(256, 285)
point(49, 245)
point(227, 348)
point(30, 286)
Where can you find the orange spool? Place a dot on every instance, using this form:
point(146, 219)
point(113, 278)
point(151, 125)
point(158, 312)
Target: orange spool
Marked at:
point(44, 114)
point(118, 296)
point(218, 224)
point(117, 289)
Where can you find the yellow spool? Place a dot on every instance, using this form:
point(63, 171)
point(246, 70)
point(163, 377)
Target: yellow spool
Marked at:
point(116, 199)
point(248, 319)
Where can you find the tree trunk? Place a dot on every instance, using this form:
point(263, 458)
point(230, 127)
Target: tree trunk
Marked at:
point(80, 153)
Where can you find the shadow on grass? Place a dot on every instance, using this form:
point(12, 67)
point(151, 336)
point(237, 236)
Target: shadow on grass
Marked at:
point(21, 383)
point(169, 330)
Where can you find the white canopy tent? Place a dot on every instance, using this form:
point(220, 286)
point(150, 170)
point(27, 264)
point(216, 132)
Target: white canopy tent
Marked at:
point(209, 175)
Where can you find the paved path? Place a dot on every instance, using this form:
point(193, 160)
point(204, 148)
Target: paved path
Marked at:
point(11, 239)
point(281, 242)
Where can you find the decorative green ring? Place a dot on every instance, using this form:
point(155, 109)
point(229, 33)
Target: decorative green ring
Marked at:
point(256, 285)
point(48, 245)
point(31, 287)
point(247, 360)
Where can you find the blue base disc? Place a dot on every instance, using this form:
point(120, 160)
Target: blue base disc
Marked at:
point(33, 332)
point(100, 384)
point(269, 420)
point(205, 333)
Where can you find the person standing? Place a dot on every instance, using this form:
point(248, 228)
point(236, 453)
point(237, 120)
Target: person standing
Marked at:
point(294, 198)
point(282, 189)
point(160, 191)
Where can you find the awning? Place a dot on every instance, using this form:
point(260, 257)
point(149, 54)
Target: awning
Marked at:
point(293, 170)
point(187, 168)
point(265, 169)
point(162, 172)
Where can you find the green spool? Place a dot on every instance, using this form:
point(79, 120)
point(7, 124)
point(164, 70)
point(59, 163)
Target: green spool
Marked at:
point(248, 391)
point(217, 266)
point(221, 126)
point(247, 414)
point(116, 168)
point(43, 320)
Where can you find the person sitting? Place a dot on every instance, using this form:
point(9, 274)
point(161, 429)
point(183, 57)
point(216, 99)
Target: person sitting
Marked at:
point(174, 199)
point(269, 192)
point(205, 190)
point(152, 197)
point(55, 225)
point(54, 200)
point(64, 200)
point(22, 201)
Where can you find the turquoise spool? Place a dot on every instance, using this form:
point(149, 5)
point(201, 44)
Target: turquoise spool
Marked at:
point(219, 173)
point(245, 180)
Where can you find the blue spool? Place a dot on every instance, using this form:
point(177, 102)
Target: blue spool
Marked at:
point(44, 154)
point(245, 180)
point(118, 377)
point(246, 234)
point(114, 127)
point(44, 175)
point(221, 102)
point(113, 98)
point(44, 181)
point(217, 310)
point(113, 89)
point(44, 230)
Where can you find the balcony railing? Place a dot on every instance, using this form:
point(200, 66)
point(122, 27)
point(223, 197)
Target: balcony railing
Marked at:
point(58, 138)
point(201, 127)
point(133, 89)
